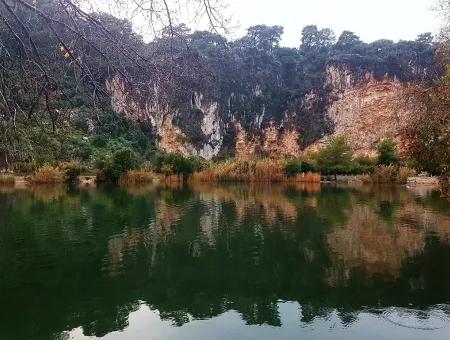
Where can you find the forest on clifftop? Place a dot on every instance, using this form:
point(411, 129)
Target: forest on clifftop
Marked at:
point(56, 60)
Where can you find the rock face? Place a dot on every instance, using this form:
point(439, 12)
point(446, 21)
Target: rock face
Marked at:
point(271, 141)
point(171, 137)
point(357, 105)
point(366, 110)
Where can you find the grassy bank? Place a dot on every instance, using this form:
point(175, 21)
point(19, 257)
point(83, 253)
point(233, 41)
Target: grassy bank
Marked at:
point(252, 170)
point(125, 166)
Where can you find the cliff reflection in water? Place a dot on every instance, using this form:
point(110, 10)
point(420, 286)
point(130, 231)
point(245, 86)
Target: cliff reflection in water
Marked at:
point(89, 257)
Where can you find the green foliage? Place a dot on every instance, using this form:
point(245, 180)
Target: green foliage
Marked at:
point(387, 152)
point(172, 163)
point(364, 165)
point(71, 170)
point(336, 157)
point(122, 161)
point(294, 166)
point(25, 167)
point(305, 166)
point(35, 144)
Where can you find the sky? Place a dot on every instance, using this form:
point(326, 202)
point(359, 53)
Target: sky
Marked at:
point(370, 19)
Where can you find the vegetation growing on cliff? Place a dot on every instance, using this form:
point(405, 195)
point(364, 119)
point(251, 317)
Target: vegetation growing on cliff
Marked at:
point(56, 59)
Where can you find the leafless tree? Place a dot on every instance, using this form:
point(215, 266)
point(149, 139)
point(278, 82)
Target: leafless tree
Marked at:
point(46, 44)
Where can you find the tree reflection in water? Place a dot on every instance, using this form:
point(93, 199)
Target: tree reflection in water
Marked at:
point(88, 258)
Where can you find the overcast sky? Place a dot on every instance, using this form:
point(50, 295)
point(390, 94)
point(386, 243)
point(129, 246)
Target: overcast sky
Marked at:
point(370, 19)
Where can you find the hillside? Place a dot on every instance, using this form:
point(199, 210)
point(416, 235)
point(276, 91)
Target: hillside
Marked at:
point(74, 93)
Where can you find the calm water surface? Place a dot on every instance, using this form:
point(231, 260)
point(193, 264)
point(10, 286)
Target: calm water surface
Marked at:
point(224, 262)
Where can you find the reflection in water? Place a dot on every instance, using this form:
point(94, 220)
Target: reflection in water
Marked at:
point(372, 245)
point(87, 261)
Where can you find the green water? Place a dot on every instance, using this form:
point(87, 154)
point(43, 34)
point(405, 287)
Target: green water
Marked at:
point(224, 262)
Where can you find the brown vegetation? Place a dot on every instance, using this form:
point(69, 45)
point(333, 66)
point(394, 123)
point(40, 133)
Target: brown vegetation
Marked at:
point(7, 180)
point(137, 176)
point(309, 177)
point(255, 170)
point(47, 174)
point(391, 174)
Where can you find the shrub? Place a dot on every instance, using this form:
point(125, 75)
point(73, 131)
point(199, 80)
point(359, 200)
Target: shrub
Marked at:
point(166, 169)
point(71, 170)
point(25, 167)
point(7, 180)
point(306, 167)
point(391, 174)
point(47, 174)
point(122, 161)
point(137, 176)
point(384, 174)
point(364, 165)
point(178, 164)
point(292, 167)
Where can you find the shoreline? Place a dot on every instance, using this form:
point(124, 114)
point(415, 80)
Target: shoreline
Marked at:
point(90, 180)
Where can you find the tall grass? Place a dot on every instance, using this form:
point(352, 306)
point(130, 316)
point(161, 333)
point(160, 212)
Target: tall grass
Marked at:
point(47, 174)
point(404, 173)
point(384, 174)
point(7, 179)
point(136, 177)
point(391, 174)
point(309, 177)
point(255, 170)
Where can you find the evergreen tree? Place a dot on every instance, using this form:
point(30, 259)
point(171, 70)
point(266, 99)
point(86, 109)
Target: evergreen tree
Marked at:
point(336, 157)
point(387, 152)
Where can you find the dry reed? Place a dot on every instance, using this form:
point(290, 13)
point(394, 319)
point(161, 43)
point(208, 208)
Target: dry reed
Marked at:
point(391, 174)
point(309, 177)
point(137, 176)
point(404, 173)
point(47, 174)
point(251, 170)
point(7, 179)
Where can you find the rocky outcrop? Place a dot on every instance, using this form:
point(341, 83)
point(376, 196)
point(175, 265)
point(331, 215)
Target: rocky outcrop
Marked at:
point(161, 117)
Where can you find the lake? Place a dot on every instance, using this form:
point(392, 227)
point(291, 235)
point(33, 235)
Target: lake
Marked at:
point(213, 261)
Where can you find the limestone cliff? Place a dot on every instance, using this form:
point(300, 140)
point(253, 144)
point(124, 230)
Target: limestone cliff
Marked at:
point(354, 104)
point(160, 116)
point(270, 141)
point(366, 110)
